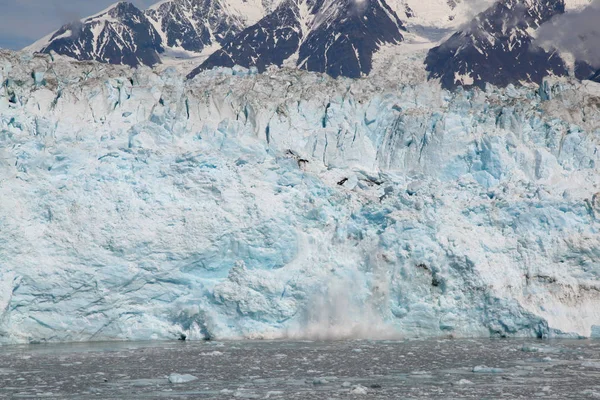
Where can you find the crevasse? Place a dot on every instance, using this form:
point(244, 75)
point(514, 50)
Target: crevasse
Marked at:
point(138, 205)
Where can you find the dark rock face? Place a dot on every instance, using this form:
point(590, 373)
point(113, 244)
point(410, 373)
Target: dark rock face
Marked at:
point(269, 42)
point(335, 37)
point(583, 70)
point(497, 47)
point(343, 44)
point(121, 35)
point(195, 24)
point(126, 35)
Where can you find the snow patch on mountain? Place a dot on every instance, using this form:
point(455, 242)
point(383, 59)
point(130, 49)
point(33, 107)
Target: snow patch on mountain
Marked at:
point(577, 5)
point(442, 15)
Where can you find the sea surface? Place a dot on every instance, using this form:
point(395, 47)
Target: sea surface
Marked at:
point(413, 369)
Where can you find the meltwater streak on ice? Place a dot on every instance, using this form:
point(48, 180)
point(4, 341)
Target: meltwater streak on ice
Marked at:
point(136, 205)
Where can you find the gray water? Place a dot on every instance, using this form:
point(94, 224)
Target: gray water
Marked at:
point(429, 369)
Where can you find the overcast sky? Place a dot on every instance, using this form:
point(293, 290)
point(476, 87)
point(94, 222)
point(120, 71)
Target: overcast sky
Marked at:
point(22, 22)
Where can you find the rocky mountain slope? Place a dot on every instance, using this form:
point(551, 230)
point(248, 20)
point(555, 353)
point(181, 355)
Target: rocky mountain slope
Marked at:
point(195, 25)
point(497, 47)
point(335, 37)
point(119, 35)
point(470, 43)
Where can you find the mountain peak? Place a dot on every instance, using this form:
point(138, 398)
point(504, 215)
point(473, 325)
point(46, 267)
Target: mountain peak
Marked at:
point(120, 34)
point(334, 37)
point(497, 47)
point(193, 25)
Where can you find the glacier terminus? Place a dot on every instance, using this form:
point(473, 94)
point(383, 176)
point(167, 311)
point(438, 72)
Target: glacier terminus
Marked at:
point(138, 204)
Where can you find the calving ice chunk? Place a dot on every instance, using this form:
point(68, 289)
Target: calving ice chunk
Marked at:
point(140, 205)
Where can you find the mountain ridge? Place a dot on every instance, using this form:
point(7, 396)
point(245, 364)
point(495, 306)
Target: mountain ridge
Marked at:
point(338, 38)
point(311, 29)
point(497, 47)
point(118, 35)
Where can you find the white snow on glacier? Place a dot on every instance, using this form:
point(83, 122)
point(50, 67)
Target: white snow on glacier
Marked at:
point(136, 205)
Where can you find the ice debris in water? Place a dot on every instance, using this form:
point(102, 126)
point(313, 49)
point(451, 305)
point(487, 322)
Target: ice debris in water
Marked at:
point(212, 354)
point(487, 370)
point(538, 349)
point(359, 389)
point(178, 378)
point(591, 364)
point(138, 205)
point(245, 394)
point(530, 349)
point(591, 393)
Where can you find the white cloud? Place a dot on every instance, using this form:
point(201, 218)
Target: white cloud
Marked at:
point(576, 33)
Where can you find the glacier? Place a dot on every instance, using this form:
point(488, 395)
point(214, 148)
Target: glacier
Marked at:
point(137, 205)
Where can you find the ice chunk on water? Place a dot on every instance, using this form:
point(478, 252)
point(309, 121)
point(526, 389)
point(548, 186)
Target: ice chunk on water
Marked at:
point(178, 378)
point(359, 390)
point(212, 354)
point(487, 370)
point(245, 394)
point(591, 393)
point(464, 382)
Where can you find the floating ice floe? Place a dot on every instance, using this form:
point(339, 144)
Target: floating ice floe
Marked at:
point(178, 378)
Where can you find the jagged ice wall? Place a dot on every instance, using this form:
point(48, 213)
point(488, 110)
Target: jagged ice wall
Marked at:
point(138, 205)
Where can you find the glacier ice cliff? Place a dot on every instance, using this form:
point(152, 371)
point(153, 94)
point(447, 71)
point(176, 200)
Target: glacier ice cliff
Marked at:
point(136, 205)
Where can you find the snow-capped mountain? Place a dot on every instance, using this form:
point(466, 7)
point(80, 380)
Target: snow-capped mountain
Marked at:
point(497, 47)
point(194, 25)
point(120, 34)
point(270, 41)
point(344, 35)
point(123, 34)
point(337, 37)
